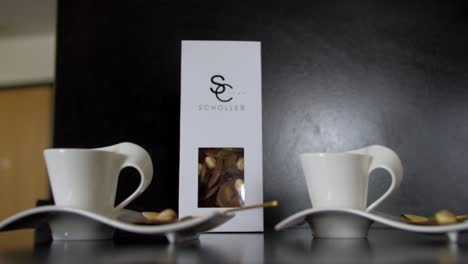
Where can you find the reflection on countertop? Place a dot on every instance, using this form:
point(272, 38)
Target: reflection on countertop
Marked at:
point(292, 245)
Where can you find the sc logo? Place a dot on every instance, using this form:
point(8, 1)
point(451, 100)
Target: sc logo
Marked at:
point(220, 89)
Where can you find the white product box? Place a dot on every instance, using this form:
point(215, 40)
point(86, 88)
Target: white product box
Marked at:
point(221, 131)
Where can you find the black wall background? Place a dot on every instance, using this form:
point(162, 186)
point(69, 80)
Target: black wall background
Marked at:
point(337, 75)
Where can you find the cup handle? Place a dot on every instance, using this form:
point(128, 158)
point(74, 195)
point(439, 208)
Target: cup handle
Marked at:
point(385, 158)
point(138, 158)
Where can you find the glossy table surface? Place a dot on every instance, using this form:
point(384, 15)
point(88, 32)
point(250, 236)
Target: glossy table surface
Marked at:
point(289, 246)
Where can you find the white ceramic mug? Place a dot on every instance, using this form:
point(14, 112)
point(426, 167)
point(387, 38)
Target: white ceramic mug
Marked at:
point(87, 178)
point(340, 180)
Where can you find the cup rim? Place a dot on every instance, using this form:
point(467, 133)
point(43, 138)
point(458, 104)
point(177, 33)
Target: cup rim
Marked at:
point(324, 154)
point(74, 150)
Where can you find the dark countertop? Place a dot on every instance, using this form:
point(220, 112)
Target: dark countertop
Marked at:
point(289, 246)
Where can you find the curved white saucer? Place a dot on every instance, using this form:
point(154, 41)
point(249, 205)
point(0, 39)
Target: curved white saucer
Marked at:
point(351, 223)
point(76, 224)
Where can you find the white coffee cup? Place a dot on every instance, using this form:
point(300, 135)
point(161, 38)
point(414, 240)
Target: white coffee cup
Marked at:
point(340, 180)
point(87, 178)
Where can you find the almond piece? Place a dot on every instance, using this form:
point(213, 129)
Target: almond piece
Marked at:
point(210, 162)
point(445, 217)
point(415, 219)
point(461, 218)
point(240, 164)
point(150, 215)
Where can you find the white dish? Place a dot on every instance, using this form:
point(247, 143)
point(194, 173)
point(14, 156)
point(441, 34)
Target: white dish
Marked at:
point(351, 223)
point(76, 224)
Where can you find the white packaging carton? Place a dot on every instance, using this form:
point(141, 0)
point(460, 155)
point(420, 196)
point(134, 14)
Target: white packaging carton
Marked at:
point(221, 131)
